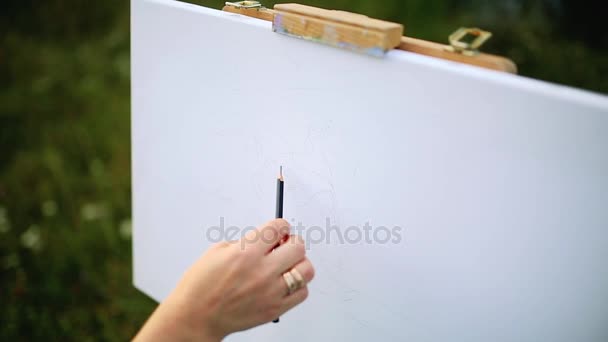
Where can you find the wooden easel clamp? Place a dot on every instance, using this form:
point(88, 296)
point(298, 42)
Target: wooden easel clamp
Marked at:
point(375, 37)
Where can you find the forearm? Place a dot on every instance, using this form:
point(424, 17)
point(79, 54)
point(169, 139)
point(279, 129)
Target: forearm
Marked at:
point(168, 323)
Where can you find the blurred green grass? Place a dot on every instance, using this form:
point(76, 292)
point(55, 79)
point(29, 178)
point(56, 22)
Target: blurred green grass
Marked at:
point(65, 244)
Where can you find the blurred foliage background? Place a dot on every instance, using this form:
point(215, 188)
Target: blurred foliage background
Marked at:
point(65, 229)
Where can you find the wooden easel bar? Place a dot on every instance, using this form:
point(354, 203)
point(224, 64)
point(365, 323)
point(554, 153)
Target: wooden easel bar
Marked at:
point(260, 13)
point(433, 49)
point(361, 33)
point(337, 28)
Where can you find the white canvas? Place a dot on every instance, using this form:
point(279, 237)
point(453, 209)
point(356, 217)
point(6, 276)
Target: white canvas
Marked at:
point(498, 183)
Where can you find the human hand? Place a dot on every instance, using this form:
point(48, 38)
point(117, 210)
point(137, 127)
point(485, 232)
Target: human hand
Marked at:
point(234, 286)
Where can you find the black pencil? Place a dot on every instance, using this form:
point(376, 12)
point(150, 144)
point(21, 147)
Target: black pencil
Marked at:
point(280, 183)
point(279, 207)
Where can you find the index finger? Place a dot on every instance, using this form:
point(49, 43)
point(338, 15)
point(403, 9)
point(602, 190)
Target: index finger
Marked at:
point(267, 236)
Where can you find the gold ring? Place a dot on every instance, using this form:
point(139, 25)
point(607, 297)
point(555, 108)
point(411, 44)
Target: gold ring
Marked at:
point(291, 282)
point(299, 279)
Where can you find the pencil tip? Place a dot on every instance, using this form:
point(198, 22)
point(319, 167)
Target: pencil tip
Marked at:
point(281, 172)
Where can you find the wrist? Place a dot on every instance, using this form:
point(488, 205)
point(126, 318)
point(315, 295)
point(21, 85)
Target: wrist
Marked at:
point(190, 325)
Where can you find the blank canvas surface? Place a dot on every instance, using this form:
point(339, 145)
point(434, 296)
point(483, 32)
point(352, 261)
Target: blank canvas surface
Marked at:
point(498, 183)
